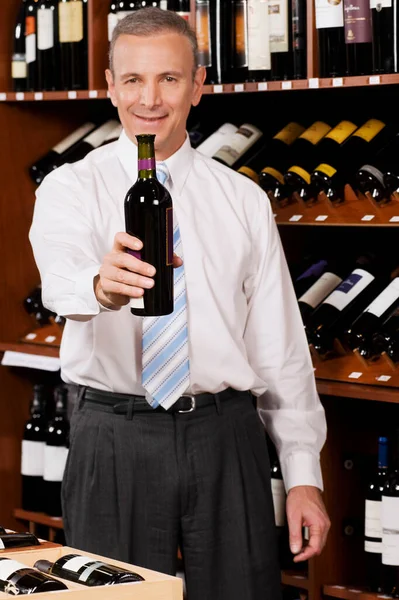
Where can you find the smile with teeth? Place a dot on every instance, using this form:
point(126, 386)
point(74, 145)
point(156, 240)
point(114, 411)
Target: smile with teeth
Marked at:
point(150, 119)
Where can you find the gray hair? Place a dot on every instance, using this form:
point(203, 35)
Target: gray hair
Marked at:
point(152, 21)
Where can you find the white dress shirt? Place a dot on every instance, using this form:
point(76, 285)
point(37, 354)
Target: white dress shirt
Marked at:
point(245, 329)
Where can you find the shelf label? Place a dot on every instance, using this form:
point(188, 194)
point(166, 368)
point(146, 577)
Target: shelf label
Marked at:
point(30, 361)
point(20, 96)
point(38, 96)
point(238, 87)
point(50, 338)
point(262, 86)
point(286, 85)
point(368, 217)
point(384, 378)
point(337, 82)
point(93, 94)
point(296, 218)
point(321, 218)
point(374, 80)
point(31, 336)
point(72, 95)
point(218, 89)
point(313, 82)
point(3, 97)
point(394, 219)
point(355, 375)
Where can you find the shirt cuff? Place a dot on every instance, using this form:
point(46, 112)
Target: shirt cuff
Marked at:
point(84, 289)
point(301, 468)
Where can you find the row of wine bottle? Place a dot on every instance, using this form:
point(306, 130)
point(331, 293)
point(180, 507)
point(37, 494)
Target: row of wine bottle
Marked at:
point(44, 453)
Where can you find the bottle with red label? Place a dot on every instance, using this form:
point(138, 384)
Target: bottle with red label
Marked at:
point(31, 44)
point(358, 37)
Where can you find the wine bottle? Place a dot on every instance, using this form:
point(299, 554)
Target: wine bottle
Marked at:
point(331, 38)
point(299, 52)
point(361, 331)
point(259, 61)
point(113, 135)
point(218, 139)
point(149, 217)
point(87, 571)
point(323, 286)
point(17, 540)
point(112, 19)
point(390, 524)
point(386, 339)
point(18, 64)
point(355, 152)
point(198, 134)
point(91, 141)
point(333, 315)
point(30, 44)
point(17, 579)
point(384, 24)
point(372, 524)
point(280, 32)
point(357, 17)
point(72, 18)
point(240, 40)
point(53, 159)
point(47, 20)
point(271, 178)
point(254, 163)
point(32, 460)
point(205, 39)
point(56, 454)
point(372, 178)
point(244, 138)
point(309, 271)
point(298, 176)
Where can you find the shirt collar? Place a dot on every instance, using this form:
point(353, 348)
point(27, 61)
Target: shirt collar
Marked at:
point(179, 164)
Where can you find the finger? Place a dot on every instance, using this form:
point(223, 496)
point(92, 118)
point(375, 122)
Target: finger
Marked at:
point(113, 287)
point(128, 278)
point(313, 548)
point(295, 530)
point(123, 260)
point(177, 261)
point(123, 240)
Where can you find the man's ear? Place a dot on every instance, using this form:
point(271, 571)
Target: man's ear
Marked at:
point(199, 79)
point(111, 86)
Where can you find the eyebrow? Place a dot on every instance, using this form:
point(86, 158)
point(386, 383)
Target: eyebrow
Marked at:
point(172, 73)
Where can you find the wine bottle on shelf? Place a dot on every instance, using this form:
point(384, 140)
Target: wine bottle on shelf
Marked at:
point(31, 44)
point(18, 63)
point(254, 163)
point(298, 176)
point(259, 61)
point(112, 19)
point(332, 177)
point(218, 139)
point(113, 135)
point(331, 38)
point(299, 52)
point(245, 137)
point(72, 30)
point(384, 24)
point(308, 273)
point(149, 217)
point(56, 454)
point(87, 571)
point(240, 40)
point(371, 178)
point(390, 524)
point(328, 281)
point(280, 32)
point(32, 459)
point(372, 523)
point(182, 8)
point(361, 331)
point(91, 141)
point(205, 39)
point(47, 19)
point(17, 540)
point(53, 159)
point(386, 339)
point(18, 579)
point(198, 134)
point(357, 17)
point(334, 314)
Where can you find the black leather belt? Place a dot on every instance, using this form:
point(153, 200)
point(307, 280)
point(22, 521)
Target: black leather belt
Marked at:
point(126, 404)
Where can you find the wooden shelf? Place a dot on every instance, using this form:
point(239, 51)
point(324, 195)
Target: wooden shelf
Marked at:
point(40, 96)
point(35, 349)
point(38, 518)
point(295, 579)
point(350, 593)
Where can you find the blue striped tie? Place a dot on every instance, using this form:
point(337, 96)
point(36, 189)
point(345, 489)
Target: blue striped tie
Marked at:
point(165, 361)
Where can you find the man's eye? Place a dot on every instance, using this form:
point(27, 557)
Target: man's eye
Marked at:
point(169, 78)
point(132, 80)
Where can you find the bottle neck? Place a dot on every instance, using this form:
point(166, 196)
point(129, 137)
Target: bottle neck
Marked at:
point(146, 159)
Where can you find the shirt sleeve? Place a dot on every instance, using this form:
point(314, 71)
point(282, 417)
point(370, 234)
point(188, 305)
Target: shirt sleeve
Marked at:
point(62, 240)
point(278, 352)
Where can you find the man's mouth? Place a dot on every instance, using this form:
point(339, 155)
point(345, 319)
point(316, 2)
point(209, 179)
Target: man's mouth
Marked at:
point(150, 119)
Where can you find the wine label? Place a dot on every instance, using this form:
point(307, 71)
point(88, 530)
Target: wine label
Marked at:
point(385, 299)
point(203, 31)
point(373, 547)
point(315, 132)
point(45, 29)
point(357, 17)
point(351, 287)
point(69, 141)
point(241, 141)
point(84, 576)
point(115, 133)
point(372, 522)
point(320, 289)
point(241, 33)
point(249, 173)
point(278, 492)
point(289, 133)
point(214, 142)
point(375, 172)
point(329, 13)
point(390, 547)
point(369, 130)
point(97, 137)
point(380, 4)
point(301, 172)
point(30, 39)
point(278, 25)
point(112, 21)
point(55, 458)
point(77, 562)
point(326, 169)
point(70, 21)
point(258, 35)
point(341, 132)
point(274, 173)
point(32, 459)
point(18, 66)
point(8, 567)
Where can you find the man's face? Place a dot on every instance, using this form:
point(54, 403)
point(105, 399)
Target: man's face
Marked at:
point(153, 88)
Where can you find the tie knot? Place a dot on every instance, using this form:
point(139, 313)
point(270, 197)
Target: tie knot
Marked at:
point(162, 172)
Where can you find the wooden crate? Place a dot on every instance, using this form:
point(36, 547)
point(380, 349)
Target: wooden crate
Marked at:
point(156, 586)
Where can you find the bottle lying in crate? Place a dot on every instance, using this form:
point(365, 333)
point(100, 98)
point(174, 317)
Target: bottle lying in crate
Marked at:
point(17, 540)
point(18, 579)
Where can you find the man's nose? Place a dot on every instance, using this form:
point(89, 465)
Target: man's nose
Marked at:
point(150, 95)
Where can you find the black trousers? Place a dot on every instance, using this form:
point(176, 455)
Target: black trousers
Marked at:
point(136, 489)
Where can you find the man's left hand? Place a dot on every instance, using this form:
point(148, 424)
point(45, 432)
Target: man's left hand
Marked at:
point(305, 508)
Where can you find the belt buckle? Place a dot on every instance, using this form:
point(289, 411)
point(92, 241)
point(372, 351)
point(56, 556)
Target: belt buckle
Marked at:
point(193, 404)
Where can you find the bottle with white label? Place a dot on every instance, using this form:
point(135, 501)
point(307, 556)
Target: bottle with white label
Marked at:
point(72, 32)
point(32, 459)
point(372, 177)
point(322, 287)
point(366, 325)
point(390, 524)
point(386, 339)
point(244, 138)
point(90, 142)
point(331, 37)
point(31, 44)
point(18, 579)
point(47, 11)
point(56, 454)
point(87, 571)
point(372, 523)
point(259, 58)
point(217, 139)
point(334, 314)
point(384, 21)
point(280, 35)
point(18, 61)
point(112, 19)
point(17, 540)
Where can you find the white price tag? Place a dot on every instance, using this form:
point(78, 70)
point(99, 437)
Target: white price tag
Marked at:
point(38, 96)
point(337, 82)
point(368, 217)
point(72, 95)
point(238, 87)
point(321, 218)
point(314, 82)
point(3, 97)
point(31, 336)
point(374, 80)
point(49, 339)
point(296, 217)
point(355, 375)
point(93, 94)
point(31, 361)
point(20, 96)
point(394, 219)
point(286, 85)
point(262, 86)
point(217, 89)
point(383, 378)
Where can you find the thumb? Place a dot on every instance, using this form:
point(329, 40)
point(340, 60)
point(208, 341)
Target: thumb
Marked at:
point(295, 528)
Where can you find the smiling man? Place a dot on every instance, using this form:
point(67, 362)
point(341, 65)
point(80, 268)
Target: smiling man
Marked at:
point(145, 477)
